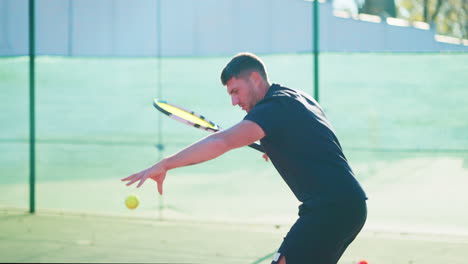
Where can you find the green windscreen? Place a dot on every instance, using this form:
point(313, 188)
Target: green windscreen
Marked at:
point(400, 118)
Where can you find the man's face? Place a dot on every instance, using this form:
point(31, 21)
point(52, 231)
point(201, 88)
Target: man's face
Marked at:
point(243, 93)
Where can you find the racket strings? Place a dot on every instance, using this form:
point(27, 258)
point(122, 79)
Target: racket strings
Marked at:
point(191, 117)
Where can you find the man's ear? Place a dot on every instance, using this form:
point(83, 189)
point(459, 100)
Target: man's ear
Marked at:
point(256, 77)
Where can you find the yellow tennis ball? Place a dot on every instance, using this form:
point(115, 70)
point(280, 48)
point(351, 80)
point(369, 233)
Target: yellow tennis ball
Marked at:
point(132, 202)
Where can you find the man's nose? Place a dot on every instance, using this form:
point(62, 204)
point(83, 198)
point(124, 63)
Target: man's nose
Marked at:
point(234, 100)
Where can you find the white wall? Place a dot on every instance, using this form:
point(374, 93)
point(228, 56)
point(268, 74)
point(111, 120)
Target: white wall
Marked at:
point(197, 28)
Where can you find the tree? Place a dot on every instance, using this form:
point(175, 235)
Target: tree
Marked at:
point(385, 8)
point(449, 17)
point(427, 17)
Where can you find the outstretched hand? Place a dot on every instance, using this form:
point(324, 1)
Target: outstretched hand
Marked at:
point(156, 172)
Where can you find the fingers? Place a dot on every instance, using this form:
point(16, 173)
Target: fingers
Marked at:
point(128, 178)
point(265, 156)
point(131, 178)
point(136, 178)
point(155, 173)
point(142, 180)
point(159, 179)
point(140, 176)
point(160, 187)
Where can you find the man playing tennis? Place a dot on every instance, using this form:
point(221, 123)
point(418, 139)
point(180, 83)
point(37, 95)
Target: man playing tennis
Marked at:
point(301, 144)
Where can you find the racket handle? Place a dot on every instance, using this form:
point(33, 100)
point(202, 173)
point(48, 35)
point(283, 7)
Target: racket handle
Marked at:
point(257, 147)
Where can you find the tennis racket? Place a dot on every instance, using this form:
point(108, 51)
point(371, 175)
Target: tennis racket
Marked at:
point(191, 118)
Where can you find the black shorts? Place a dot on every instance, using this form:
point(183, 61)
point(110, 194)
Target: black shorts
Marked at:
point(322, 233)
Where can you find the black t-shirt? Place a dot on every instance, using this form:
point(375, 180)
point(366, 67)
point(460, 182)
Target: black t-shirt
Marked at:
point(302, 146)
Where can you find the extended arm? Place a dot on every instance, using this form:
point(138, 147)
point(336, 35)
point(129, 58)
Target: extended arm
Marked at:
point(242, 134)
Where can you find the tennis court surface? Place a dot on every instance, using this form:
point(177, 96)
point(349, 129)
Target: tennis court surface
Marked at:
point(52, 236)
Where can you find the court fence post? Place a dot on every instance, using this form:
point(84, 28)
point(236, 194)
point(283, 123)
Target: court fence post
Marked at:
point(32, 126)
point(316, 35)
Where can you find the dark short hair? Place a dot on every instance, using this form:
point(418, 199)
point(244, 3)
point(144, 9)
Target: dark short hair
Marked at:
point(242, 64)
